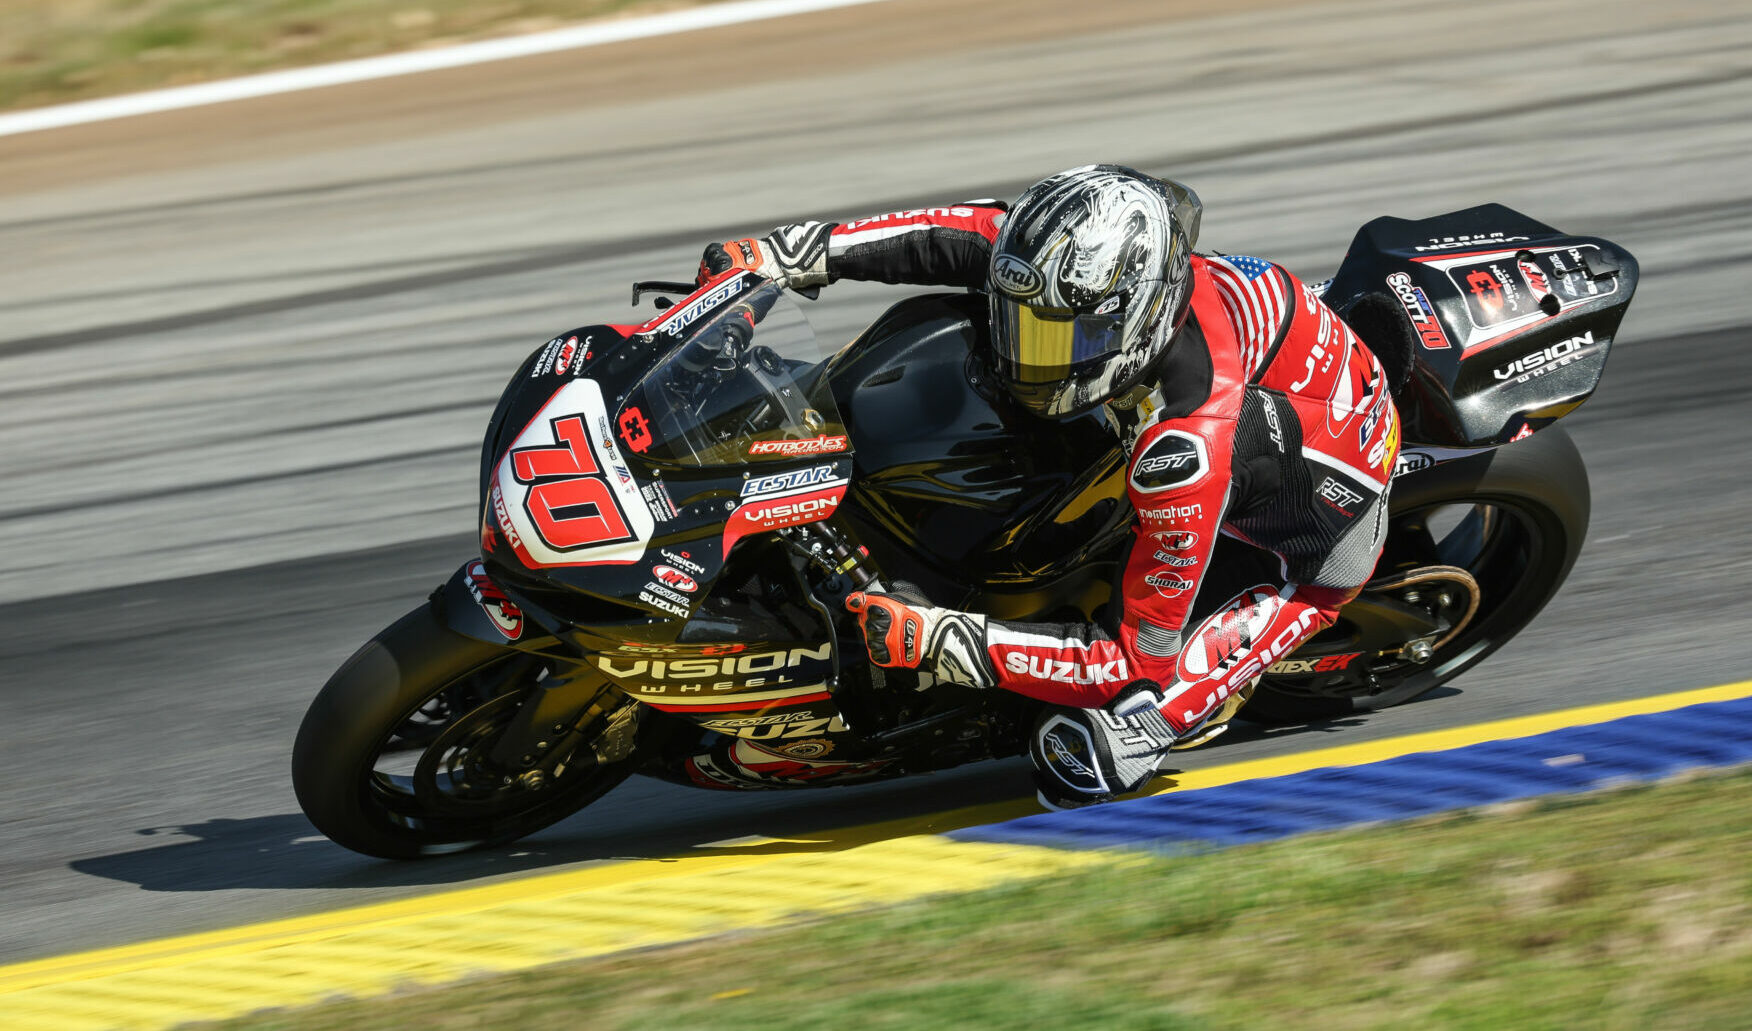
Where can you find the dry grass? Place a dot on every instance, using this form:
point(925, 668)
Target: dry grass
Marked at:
point(53, 51)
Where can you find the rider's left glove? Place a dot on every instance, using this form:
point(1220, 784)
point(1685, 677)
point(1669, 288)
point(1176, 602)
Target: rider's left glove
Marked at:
point(793, 256)
point(904, 631)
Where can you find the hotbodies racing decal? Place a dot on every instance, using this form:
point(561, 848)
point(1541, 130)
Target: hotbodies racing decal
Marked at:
point(561, 495)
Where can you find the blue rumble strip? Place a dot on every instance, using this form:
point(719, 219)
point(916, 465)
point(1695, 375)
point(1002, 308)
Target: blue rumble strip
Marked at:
point(1627, 750)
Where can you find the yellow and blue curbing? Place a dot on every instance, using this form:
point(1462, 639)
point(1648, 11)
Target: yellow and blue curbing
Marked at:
point(577, 914)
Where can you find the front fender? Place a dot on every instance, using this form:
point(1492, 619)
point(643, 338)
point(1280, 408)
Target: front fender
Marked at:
point(472, 605)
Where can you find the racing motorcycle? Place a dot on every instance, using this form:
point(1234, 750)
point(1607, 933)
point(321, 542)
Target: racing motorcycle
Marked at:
point(672, 514)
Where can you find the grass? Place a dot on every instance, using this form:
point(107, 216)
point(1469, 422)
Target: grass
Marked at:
point(52, 51)
point(1629, 910)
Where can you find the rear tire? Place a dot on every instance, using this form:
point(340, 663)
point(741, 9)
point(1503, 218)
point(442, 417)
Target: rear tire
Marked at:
point(1537, 493)
point(365, 712)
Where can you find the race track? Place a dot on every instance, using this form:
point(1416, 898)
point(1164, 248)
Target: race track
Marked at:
point(246, 353)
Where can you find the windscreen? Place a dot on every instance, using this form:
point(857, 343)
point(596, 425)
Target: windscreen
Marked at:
point(740, 384)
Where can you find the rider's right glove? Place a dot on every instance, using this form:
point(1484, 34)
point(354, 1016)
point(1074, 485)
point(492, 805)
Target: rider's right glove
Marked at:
point(793, 256)
point(904, 631)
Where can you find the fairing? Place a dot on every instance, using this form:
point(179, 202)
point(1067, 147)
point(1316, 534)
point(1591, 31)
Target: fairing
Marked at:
point(625, 463)
point(1491, 324)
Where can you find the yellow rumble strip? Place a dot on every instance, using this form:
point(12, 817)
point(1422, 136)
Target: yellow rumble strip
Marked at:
point(510, 926)
point(575, 914)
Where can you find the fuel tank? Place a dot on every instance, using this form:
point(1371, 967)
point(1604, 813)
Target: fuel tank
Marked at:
point(961, 491)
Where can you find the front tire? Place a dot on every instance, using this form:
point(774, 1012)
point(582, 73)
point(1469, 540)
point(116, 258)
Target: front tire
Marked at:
point(1523, 518)
point(378, 703)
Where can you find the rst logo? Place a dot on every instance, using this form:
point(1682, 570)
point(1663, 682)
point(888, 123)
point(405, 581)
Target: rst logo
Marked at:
point(1339, 495)
point(1420, 311)
point(1174, 459)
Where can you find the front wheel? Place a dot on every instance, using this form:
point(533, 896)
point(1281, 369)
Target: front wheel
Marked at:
point(1475, 548)
point(392, 759)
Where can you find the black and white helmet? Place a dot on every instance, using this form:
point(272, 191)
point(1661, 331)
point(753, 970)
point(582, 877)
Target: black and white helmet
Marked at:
point(1089, 280)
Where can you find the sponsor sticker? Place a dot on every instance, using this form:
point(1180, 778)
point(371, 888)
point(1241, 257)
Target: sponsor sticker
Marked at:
point(1323, 664)
point(1064, 671)
point(1169, 584)
point(1411, 462)
point(1016, 277)
point(546, 361)
point(635, 429)
point(662, 604)
point(675, 578)
point(683, 560)
point(678, 319)
point(1420, 311)
point(505, 616)
point(1174, 458)
point(657, 499)
point(778, 483)
point(820, 445)
point(1170, 512)
point(1544, 360)
point(563, 360)
point(776, 512)
point(1466, 240)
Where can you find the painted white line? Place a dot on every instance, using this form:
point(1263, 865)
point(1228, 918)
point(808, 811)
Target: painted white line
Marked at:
point(595, 34)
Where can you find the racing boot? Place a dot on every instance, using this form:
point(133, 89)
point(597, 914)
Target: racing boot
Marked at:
point(1088, 756)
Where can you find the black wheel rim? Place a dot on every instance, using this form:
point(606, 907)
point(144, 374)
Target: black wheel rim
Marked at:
point(1507, 546)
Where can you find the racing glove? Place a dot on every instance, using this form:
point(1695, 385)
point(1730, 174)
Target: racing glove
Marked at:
point(1087, 756)
point(904, 631)
point(793, 256)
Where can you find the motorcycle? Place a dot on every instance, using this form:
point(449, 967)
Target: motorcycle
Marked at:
point(672, 514)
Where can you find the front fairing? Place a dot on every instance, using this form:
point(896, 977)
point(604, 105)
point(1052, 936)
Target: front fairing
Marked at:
point(624, 464)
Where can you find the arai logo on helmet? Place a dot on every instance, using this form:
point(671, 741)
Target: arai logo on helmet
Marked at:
point(1016, 277)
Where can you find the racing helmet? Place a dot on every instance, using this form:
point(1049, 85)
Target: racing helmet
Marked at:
point(1089, 279)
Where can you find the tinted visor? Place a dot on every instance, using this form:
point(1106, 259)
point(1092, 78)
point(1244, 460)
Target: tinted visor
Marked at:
point(1041, 345)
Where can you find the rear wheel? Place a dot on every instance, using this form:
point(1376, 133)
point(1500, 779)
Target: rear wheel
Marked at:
point(1475, 548)
point(393, 757)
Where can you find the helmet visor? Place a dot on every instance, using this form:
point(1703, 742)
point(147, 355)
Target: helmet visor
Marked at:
point(1043, 344)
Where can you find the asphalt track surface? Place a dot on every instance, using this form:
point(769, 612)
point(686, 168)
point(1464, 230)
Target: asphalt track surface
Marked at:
point(246, 353)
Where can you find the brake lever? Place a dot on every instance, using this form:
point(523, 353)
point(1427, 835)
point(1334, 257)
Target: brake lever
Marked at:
point(656, 286)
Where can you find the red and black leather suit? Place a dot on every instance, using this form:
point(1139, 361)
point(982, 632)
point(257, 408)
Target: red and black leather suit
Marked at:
point(1268, 421)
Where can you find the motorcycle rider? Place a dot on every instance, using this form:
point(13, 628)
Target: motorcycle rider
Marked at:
point(1245, 406)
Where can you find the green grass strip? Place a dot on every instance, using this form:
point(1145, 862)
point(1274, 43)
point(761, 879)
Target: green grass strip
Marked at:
point(1631, 909)
point(54, 51)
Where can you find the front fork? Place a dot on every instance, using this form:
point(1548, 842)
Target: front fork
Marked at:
point(569, 702)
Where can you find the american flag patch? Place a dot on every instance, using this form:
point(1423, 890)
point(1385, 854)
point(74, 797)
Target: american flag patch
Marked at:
point(1254, 298)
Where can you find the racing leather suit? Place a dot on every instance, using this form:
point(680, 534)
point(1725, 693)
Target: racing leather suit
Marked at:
point(1266, 419)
